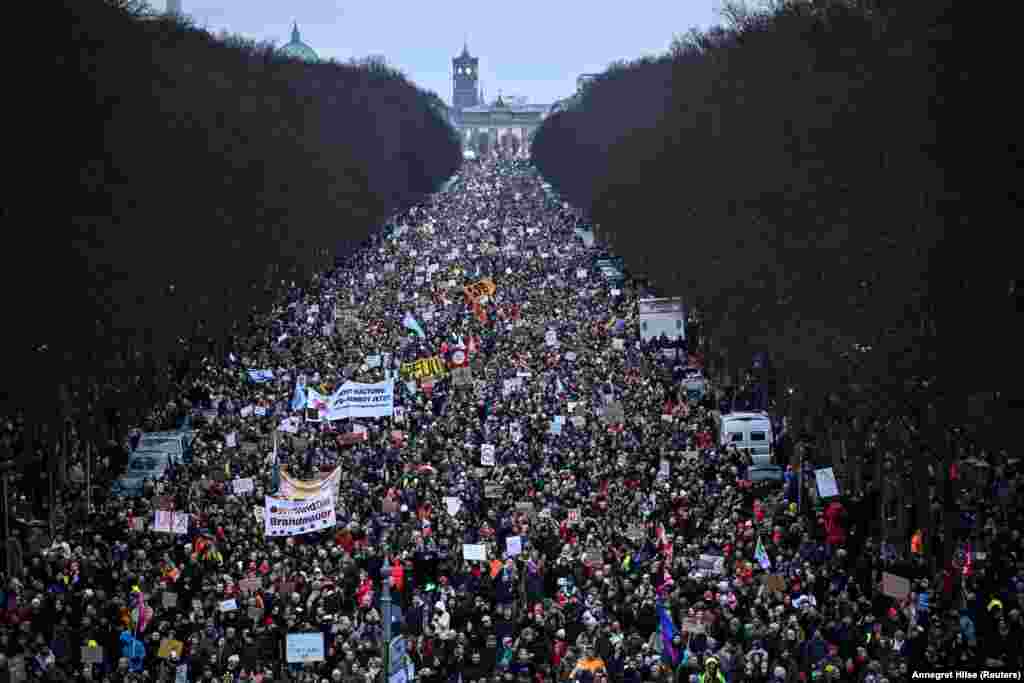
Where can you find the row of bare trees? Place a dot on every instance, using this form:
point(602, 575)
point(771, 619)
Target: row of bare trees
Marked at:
point(176, 183)
point(789, 174)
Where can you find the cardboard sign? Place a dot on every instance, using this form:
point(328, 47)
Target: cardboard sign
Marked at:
point(774, 583)
point(691, 625)
point(17, 667)
point(167, 646)
point(526, 508)
point(389, 506)
point(92, 655)
point(462, 376)
point(170, 600)
point(492, 491)
point(894, 586)
point(614, 413)
point(250, 585)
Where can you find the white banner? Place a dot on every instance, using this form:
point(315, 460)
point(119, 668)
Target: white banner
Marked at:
point(296, 517)
point(354, 399)
point(301, 489)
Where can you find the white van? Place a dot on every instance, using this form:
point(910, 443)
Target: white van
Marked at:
point(748, 430)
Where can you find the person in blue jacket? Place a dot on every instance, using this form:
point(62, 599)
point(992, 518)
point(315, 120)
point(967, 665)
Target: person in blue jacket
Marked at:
point(134, 650)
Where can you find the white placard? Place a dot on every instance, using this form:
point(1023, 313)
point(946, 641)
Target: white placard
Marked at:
point(163, 520)
point(243, 485)
point(228, 605)
point(231, 440)
point(550, 338)
point(453, 505)
point(474, 552)
point(581, 273)
point(179, 523)
point(826, 480)
point(487, 454)
point(513, 546)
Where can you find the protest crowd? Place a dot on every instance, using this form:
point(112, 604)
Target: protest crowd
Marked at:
point(466, 410)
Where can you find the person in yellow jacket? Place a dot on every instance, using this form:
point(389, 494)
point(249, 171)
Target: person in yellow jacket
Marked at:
point(711, 674)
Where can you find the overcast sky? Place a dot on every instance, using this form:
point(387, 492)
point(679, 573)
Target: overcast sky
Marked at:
point(532, 48)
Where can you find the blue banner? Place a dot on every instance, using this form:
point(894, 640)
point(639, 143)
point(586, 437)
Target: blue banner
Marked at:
point(261, 376)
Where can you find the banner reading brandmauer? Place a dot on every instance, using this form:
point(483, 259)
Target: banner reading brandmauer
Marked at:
point(354, 399)
point(296, 517)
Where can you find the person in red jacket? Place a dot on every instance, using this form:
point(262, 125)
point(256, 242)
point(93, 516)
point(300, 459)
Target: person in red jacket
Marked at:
point(835, 534)
point(397, 574)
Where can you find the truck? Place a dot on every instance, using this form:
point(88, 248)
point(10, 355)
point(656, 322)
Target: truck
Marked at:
point(662, 315)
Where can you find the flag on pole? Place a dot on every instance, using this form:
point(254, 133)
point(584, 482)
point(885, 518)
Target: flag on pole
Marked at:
point(140, 605)
point(299, 397)
point(410, 323)
point(762, 556)
point(668, 631)
point(275, 480)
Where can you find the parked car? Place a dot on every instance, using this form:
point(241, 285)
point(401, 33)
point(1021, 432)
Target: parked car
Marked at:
point(766, 478)
point(143, 465)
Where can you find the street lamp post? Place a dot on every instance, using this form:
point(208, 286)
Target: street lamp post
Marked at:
point(385, 608)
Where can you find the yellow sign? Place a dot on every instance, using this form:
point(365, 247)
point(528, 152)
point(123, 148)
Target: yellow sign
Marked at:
point(424, 367)
point(167, 646)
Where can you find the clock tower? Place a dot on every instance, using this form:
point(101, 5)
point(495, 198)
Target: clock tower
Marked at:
point(465, 77)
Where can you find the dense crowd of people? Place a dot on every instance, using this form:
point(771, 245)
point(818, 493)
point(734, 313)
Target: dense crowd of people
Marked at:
point(622, 543)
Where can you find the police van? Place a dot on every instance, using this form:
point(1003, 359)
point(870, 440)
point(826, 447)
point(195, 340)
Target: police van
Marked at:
point(748, 431)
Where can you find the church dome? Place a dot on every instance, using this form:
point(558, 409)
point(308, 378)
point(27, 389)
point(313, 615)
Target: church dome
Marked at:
point(298, 49)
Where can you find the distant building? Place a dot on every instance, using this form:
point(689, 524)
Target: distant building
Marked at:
point(298, 49)
point(507, 123)
point(465, 81)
